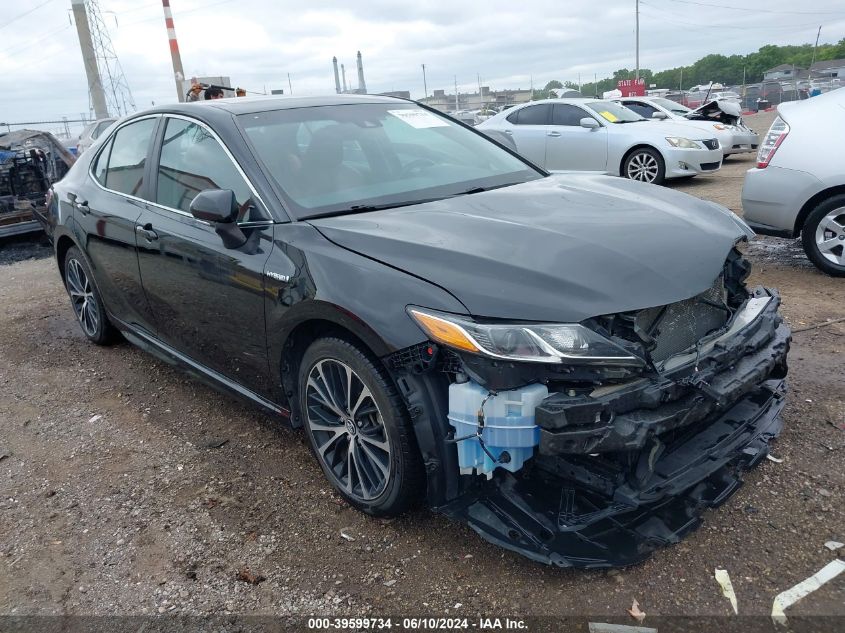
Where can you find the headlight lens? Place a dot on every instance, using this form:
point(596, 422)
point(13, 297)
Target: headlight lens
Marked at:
point(683, 143)
point(538, 343)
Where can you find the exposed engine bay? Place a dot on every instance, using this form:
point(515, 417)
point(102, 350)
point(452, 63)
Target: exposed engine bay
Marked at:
point(719, 110)
point(30, 162)
point(597, 464)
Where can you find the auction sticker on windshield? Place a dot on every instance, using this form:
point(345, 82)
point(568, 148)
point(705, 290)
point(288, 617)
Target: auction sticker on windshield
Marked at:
point(609, 116)
point(418, 118)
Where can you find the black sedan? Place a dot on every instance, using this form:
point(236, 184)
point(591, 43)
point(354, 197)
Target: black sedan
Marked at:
point(571, 364)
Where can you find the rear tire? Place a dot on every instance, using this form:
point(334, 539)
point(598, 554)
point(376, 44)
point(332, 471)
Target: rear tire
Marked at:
point(86, 301)
point(823, 236)
point(644, 164)
point(358, 428)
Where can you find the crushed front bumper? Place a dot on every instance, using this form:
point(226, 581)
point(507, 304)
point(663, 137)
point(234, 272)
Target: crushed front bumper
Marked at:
point(624, 419)
point(565, 522)
point(621, 472)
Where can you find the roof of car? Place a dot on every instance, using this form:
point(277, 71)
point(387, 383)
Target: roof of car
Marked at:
point(251, 105)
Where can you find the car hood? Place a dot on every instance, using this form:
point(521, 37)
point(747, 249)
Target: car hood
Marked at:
point(559, 249)
point(717, 109)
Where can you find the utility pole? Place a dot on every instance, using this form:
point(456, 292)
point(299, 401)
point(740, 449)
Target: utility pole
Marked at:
point(425, 85)
point(89, 58)
point(175, 56)
point(457, 103)
point(814, 48)
point(638, 40)
point(290, 87)
point(681, 81)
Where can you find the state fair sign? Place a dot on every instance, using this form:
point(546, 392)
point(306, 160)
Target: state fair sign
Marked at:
point(631, 87)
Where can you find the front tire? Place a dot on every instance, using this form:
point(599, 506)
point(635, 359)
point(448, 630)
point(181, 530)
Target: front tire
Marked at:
point(645, 165)
point(358, 428)
point(823, 236)
point(86, 301)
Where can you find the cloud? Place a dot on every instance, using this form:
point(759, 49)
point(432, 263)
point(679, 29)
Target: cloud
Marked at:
point(258, 42)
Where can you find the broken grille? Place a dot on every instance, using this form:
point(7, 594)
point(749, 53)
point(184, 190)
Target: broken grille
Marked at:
point(677, 327)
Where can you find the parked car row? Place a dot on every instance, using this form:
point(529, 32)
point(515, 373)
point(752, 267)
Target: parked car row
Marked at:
point(606, 137)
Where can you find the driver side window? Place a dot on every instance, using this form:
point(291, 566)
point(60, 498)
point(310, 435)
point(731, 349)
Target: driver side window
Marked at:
point(192, 161)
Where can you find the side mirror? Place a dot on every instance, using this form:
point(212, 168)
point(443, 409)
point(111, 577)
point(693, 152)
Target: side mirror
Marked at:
point(220, 207)
point(659, 115)
point(589, 122)
point(215, 205)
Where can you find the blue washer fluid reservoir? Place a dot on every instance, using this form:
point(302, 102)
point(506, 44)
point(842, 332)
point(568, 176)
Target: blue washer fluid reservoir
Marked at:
point(508, 425)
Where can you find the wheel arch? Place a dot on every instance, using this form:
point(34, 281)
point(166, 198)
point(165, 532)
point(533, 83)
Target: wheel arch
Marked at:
point(299, 335)
point(63, 244)
point(812, 203)
point(634, 148)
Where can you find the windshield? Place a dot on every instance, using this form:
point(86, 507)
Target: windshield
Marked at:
point(347, 158)
point(614, 112)
point(672, 106)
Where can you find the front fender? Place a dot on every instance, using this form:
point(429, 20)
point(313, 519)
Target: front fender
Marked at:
point(310, 281)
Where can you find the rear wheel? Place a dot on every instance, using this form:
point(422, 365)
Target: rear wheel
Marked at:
point(823, 236)
point(646, 165)
point(358, 428)
point(85, 300)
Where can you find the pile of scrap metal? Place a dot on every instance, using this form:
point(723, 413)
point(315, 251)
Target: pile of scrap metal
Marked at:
point(30, 162)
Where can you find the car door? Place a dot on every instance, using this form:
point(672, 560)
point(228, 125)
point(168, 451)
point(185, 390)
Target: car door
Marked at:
point(528, 127)
point(572, 147)
point(207, 299)
point(106, 210)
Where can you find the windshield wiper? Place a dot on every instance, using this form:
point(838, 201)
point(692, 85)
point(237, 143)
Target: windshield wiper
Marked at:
point(365, 208)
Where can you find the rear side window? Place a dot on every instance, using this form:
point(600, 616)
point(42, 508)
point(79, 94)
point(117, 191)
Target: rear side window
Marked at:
point(128, 157)
point(101, 127)
point(532, 115)
point(567, 114)
point(102, 164)
point(192, 161)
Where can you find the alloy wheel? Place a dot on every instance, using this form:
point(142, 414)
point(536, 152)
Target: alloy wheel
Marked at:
point(348, 429)
point(643, 166)
point(82, 297)
point(830, 236)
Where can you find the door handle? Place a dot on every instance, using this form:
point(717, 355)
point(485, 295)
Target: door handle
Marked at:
point(555, 134)
point(146, 232)
point(83, 207)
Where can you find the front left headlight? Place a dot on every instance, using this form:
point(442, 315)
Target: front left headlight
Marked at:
point(522, 342)
point(682, 143)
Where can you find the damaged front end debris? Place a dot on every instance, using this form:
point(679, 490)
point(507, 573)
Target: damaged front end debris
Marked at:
point(596, 462)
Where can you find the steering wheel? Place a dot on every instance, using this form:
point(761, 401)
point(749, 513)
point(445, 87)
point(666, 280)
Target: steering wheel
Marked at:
point(417, 165)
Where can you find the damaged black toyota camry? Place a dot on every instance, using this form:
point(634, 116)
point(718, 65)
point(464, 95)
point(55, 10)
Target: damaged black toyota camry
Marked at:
point(573, 365)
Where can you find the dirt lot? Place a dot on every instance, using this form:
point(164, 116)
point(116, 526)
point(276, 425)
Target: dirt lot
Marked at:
point(128, 488)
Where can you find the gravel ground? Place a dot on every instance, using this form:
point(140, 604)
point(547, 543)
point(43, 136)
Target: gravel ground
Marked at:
point(128, 488)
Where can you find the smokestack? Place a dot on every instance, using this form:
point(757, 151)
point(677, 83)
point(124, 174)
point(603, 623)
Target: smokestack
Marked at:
point(343, 72)
point(362, 86)
point(178, 73)
point(336, 78)
point(89, 58)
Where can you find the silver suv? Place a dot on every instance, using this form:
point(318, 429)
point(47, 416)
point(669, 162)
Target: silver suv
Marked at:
point(798, 186)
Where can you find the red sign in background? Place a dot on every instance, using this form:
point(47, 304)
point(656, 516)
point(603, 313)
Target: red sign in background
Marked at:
point(631, 87)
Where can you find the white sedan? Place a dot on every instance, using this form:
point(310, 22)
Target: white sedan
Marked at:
point(605, 137)
point(720, 117)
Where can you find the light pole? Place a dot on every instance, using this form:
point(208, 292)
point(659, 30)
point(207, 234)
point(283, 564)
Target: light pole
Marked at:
point(638, 40)
point(425, 85)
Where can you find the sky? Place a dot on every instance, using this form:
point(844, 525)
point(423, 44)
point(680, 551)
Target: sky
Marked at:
point(507, 43)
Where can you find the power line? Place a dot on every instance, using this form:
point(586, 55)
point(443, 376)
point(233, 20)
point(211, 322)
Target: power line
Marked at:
point(25, 13)
point(756, 10)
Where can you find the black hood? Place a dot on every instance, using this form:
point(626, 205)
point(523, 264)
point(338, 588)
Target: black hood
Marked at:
point(559, 249)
